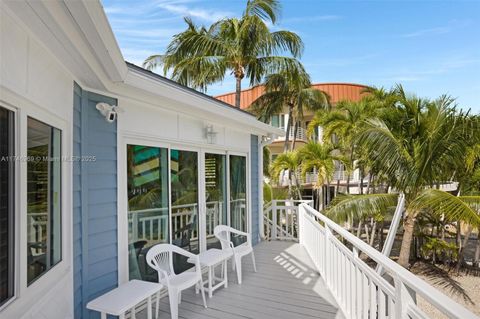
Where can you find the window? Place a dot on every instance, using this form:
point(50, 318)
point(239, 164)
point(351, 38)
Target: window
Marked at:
point(278, 120)
point(148, 222)
point(238, 194)
point(6, 205)
point(184, 184)
point(43, 198)
point(215, 193)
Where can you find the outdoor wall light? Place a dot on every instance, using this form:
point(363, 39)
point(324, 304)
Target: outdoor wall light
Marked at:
point(210, 134)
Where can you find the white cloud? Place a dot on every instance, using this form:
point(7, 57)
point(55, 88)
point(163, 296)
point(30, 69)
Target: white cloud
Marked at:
point(206, 15)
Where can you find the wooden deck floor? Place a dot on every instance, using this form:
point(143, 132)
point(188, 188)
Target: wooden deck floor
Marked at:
point(286, 286)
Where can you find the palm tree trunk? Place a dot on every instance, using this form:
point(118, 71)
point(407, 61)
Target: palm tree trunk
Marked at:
point(476, 258)
point(289, 124)
point(369, 183)
point(348, 182)
point(360, 183)
point(461, 253)
point(338, 186)
point(328, 193)
point(295, 129)
point(238, 91)
point(374, 230)
point(408, 228)
point(359, 228)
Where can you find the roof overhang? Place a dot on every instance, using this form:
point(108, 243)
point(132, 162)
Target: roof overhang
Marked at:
point(78, 34)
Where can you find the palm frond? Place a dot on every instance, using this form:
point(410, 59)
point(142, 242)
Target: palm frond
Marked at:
point(453, 207)
point(345, 207)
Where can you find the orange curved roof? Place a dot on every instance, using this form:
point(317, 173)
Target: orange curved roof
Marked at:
point(336, 91)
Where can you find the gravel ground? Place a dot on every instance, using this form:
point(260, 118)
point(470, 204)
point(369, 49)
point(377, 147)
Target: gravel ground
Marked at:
point(464, 289)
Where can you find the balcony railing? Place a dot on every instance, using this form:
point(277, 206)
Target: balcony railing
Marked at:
point(301, 134)
point(379, 289)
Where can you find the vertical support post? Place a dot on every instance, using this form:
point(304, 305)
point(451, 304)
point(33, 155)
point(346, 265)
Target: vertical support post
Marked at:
point(402, 299)
point(301, 225)
point(274, 219)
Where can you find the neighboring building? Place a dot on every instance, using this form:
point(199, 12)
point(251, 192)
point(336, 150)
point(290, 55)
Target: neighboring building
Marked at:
point(337, 92)
point(83, 198)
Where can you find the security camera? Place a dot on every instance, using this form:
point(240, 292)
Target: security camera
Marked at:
point(109, 111)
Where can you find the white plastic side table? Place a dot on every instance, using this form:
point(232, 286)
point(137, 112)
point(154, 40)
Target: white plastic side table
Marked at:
point(210, 259)
point(125, 297)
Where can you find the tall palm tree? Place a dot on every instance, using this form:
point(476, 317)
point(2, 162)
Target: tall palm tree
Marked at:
point(292, 90)
point(242, 47)
point(287, 162)
point(320, 158)
point(414, 148)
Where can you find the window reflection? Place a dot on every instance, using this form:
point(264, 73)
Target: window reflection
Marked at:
point(148, 222)
point(43, 198)
point(215, 191)
point(238, 195)
point(184, 183)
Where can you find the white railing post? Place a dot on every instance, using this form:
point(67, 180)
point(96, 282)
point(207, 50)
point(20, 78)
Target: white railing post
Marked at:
point(274, 219)
point(301, 225)
point(403, 299)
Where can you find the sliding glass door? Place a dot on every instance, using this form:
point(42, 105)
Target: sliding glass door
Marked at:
point(215, 195)
point(6, 205)
point(184, 219)
point(238, 195)
point(148, 204)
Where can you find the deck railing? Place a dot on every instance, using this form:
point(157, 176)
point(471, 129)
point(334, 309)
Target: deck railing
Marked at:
point(360, 291)
point(281, 219)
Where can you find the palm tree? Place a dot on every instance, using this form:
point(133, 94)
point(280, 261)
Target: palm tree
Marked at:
point(321, 158)
point(242, 47)
point(343, 123)
point(287, 162)
point(414, 146)
point(292, 90)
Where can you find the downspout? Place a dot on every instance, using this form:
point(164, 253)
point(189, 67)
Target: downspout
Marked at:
point(264, 141)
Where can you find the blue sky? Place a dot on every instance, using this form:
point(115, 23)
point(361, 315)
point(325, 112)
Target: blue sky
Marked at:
point(431, 47)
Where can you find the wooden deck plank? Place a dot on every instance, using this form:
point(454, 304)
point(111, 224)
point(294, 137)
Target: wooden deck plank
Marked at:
point(286, 286)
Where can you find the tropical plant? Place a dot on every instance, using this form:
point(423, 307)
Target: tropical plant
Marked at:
point(242, 47)
point(289, 163)
point(415, 147)
point(322, 159)
point(292, 90)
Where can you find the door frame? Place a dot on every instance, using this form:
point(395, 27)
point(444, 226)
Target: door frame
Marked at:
point(122, 191)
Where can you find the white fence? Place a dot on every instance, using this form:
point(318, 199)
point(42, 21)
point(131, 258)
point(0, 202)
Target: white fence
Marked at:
point(281, 219)
point(360, 291)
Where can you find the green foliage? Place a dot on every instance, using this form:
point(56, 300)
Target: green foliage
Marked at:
point(434, 247)
point(351, 207)
point(243, 47)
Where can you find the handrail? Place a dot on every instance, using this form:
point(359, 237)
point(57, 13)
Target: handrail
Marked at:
point(404, 279)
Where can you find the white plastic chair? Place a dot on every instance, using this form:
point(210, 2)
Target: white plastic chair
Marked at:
point(222, 232)
point(160, 258)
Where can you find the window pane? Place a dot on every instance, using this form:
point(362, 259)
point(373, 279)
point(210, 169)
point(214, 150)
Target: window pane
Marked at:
point(275, 121)
point(184, 179)
point(6, 205)
point(215, 191)
point(43, 198)
point(238, 194)
point(147, 171)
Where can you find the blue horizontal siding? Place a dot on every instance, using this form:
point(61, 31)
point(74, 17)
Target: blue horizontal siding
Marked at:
point(254, 197)
point(94, 201)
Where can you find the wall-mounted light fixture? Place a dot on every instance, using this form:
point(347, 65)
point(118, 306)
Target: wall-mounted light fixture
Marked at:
point(210, 134)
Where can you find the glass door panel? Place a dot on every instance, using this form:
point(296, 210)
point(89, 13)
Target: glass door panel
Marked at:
point(148, 222)
point(238, 195)
point(44, 248)
point(184, 184)
point(215, 193)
